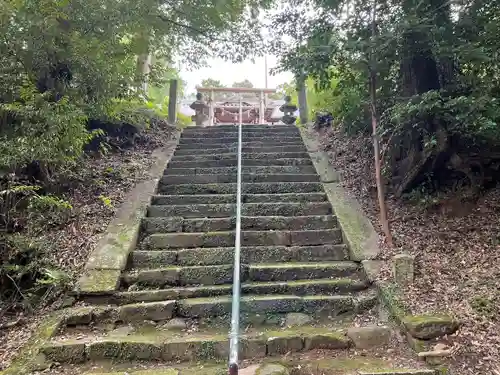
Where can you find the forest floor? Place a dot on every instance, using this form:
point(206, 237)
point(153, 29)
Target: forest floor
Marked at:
point(98, 187)
point(456, 242)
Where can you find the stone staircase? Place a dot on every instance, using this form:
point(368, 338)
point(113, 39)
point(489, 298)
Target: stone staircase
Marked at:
point(300, 291)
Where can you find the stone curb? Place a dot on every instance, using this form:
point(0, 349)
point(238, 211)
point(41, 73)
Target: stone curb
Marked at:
point(357, 230)
point(29, 357)
point(108, 259)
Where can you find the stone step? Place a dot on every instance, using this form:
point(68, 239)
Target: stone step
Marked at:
point(203, 224)
point(234, 145)
point(399, 372)
point(249, 254)
point(256, 178)
point(245, 135)
point(248, 238)
point(220, 130)
point(231, 198)
point(245, 150)
point(247, 209)
point(274, 304)
point(266, 368)
point(227, 129)
point(125, 345)
point(244, 162)
point(223, 274)
point(230, 142)
point(264, 139)
point(247, 188)
point(297, 288)
point(263, 156)
point(288, 169)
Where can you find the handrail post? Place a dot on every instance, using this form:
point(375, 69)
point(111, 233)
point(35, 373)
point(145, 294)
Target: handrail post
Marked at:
point(235, 308)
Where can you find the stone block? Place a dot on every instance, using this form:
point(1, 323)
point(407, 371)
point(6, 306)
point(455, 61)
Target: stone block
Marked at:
point(297, 319)
point(327, 340)
point(147, 311)
point(284, 344)
point(273, 369)
point(99, 350)
point(426, 327)
point(369, 336)
point(403, 269)
point(65, 352)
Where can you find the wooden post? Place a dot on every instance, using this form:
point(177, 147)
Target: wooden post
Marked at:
point(172, 102)
point(261, 107)
point(211, 108)
point(302, 100)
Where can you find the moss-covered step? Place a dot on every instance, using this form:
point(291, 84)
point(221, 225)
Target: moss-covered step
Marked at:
point(165, 346)
point(286, 209)
point(273, 303)
point(248, 238)
point(303, 271)
point(175, 276)
point(231, 198)
point(249, 254)
point(298, 288)
point(234, 144)
point(223, 130)
point(276, 139)
point(247, 188)
point(317, 222)
point(245, 150)
point(223, 274)
point(248, 209)
point(252, 134)
point(230, 178)
point(245, 156)
point(399, 372)
point(180, 224)
point(192, 210)
point(203, 368)
point(285, 197)
point(193, 199)
point(207, 151)
point(306, 169)
point(245, 162)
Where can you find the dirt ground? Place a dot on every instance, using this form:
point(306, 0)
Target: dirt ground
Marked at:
point(456, 242)
point(102, 183)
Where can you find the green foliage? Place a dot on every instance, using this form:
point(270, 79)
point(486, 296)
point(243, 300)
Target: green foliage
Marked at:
point(476, 116)
point(33, 128)
point(435, 69)
point(210, 82)
point(183, 120)
point(25, 273)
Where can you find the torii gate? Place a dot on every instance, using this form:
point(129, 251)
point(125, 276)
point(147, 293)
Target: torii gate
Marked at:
point(200, 107)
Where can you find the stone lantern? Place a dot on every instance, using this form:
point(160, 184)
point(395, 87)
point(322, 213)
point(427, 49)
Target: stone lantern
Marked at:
point(288, 109)
point(201, 109)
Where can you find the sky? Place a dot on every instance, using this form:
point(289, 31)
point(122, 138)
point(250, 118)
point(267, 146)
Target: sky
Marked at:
point(228, 73)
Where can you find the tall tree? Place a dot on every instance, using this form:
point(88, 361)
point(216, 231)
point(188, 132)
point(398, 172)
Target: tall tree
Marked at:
point(64, 62)
point(436, 78)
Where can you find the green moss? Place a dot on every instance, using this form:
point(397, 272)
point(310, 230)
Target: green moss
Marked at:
point(343, 364)
point(419, 319)
point(23, 363)
point(442, 370)
point(143, 372)
point(99, 281)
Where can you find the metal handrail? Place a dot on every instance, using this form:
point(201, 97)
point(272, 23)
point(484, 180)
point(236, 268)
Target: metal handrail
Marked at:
point(235, 308)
